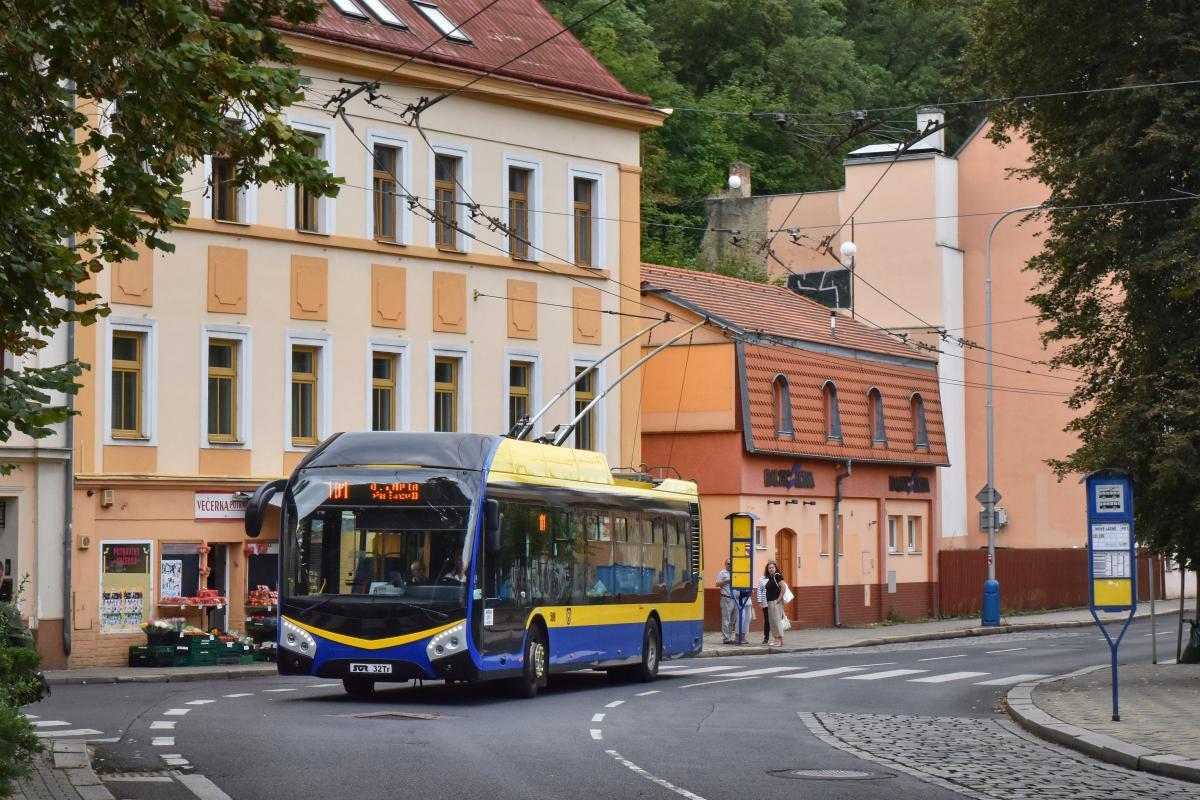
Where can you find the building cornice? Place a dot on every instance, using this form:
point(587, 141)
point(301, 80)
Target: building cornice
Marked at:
point(111, 480)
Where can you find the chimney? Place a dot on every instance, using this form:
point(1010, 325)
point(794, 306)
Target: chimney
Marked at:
point(740, 172)
point(929, 116)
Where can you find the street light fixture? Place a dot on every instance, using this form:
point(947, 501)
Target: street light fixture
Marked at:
point(989, 496)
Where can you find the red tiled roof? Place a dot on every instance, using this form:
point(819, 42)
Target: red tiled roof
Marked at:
point(772, 310)
point(806, 373)
point(498, 34)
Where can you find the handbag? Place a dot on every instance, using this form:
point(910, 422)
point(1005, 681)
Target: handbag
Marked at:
point(787, 594)
point(785, 624)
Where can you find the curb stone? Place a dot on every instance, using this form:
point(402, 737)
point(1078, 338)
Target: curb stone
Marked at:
point(75, 760)
point(1097, 745)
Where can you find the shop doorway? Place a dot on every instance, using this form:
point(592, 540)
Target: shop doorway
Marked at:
point(785, 559)
point(218, 578)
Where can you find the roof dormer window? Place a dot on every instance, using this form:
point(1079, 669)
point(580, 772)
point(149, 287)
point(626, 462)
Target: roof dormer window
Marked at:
point(350, 9)
point(440, 21)
point(385, 14)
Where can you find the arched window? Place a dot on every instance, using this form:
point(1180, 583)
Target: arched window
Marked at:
point(781, 394)
point(878, 424)
point(833, 419)
point(920, 433)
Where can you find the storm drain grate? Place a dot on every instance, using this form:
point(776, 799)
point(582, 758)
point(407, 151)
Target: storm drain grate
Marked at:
point(400, 715)
point(828, 774)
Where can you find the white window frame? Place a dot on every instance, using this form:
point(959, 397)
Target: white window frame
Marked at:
point(536, 201)
point(324, 344)
point(148, 328)
point(912, 536)
point(894, 536)
point(760, 537)
point(533, 357)
point(599, 207)
point(247, 203)
point(326, 207)
point(403, 177)
point(241, 335)
point(584, 361)
point(402, 410)
point(463, 236)
point(463, 354)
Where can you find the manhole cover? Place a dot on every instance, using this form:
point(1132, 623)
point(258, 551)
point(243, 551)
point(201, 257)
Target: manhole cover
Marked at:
point(400, 715)
point(828, 774)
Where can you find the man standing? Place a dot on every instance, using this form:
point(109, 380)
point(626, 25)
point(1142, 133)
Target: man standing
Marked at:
point(729, 608)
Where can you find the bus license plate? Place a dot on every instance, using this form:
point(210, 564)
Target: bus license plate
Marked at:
point(371, 669)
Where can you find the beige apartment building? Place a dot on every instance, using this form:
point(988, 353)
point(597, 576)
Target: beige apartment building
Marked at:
point(920, 233)
point(282, 318)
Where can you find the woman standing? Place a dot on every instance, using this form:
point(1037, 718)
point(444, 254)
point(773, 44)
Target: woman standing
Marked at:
point(771, 588)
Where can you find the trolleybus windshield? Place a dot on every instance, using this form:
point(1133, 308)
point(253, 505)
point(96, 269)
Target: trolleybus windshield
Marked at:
point(377, 552)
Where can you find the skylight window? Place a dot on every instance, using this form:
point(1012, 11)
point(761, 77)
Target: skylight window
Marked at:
point(442, 23)
point(348, 8)
point(385, 14)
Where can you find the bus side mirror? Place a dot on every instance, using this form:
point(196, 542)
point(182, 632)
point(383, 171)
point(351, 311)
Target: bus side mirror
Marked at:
point(491, 525)
point(256, 506)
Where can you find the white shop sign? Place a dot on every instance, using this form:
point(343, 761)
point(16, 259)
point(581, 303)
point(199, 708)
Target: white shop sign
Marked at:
point(223, 505)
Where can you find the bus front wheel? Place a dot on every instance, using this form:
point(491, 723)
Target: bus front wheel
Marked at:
point(359, 688)
point(535, 667)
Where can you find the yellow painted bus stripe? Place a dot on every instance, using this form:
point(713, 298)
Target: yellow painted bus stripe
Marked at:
point(373, 644)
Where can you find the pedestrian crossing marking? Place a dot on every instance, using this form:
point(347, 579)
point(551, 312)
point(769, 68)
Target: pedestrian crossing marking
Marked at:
point(947, 677)
point(719, 680)
point(761, 671)
point(238, 694)
point(72, 732)
point(198, 702)
point(1011, 679)
point(49, 723)
point(163, 741)
point(176, 712)
point(889, 673)
point(700, 670)
point(822, 673)
point(162, 725)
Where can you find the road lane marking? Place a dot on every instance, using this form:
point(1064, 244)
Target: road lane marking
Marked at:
point(644, 694)
point(318, 686)
point(889, 673)
point(880, 664)
point(710, 683)
point(72, 732)
point(201, 786)
point(49, 723)
point(199, 702)
point(949, 676)
point(699, 670)
point(176, 712)
point(137, 779)
point(175, 761)
point(32, 716)
point(653, 778)
point(597, 718)
point(163, 725)
point(614, 703)
point(163, 741)
point(595, 732)
point(822, 673)
point(762, 671)
point(1011, 679)
point(1007, 650)
point(942, 658)
point(239, 694)
point(279, 690)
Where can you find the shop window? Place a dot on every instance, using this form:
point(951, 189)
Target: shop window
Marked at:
point(178, 573)
point(782, 396)
point(833, 418)
point(920, 432)
point(878, 423)
point(760, 538)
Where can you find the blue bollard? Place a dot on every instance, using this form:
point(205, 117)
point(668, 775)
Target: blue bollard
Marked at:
point(991, 603)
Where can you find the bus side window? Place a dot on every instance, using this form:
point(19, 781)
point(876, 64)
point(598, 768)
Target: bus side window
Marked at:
point(506, 583)
point(654, 555)
point(580, 540)
point(600, 559)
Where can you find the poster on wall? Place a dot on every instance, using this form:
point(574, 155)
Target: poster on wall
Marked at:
point(124, 586)
point(170, 578)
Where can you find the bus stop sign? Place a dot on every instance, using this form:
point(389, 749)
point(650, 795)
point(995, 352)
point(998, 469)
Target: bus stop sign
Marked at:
point(1112, 557)
point(741, 564)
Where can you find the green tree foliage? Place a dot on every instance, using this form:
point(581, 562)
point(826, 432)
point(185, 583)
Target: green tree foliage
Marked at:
point(108, 103)
point(18, 686)
point(1119, 284)
point(715, 61)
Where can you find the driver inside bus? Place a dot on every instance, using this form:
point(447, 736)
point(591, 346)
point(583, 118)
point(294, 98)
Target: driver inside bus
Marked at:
point(419, 575)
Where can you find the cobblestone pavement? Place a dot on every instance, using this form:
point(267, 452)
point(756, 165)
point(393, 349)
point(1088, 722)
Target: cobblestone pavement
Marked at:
point(1160, 705)
point(986, 759)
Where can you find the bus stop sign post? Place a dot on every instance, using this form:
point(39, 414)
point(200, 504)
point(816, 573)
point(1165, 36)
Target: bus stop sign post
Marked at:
point(741, 564)
point(1112, 557)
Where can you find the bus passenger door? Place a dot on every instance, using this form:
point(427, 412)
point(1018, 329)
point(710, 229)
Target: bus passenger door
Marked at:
point(505, 592)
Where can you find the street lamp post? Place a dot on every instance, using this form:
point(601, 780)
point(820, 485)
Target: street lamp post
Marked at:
point(991, 587)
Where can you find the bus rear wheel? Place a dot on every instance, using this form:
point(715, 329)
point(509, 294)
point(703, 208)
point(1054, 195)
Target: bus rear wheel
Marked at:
point(647, 670)
point(535, 668)
point(358, 687)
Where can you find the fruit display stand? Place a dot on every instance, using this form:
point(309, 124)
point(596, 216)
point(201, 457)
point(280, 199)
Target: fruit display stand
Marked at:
point(262, 621)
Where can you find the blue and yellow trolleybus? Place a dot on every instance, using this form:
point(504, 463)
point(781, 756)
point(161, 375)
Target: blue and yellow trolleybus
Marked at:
point(472, 557)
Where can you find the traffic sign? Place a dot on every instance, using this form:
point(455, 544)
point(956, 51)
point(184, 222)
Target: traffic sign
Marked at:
point(982, 495)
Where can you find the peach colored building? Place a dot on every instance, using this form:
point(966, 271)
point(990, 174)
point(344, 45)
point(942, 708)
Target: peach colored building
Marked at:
point(773, 412)
point(281, 318)
point(920, 238)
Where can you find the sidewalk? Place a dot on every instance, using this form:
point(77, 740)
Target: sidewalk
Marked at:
point(62, 773)
point(797, 640)
point(1159, 729)
point(59, 677)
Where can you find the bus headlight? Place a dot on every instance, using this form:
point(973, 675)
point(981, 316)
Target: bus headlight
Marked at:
point(448, 642)
point(293, 637)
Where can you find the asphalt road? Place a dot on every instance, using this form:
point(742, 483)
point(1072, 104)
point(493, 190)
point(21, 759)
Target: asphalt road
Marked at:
point(917, 720)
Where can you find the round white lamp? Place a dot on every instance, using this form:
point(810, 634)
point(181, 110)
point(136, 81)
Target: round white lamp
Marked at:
point(735, 181)
point(848, 250)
